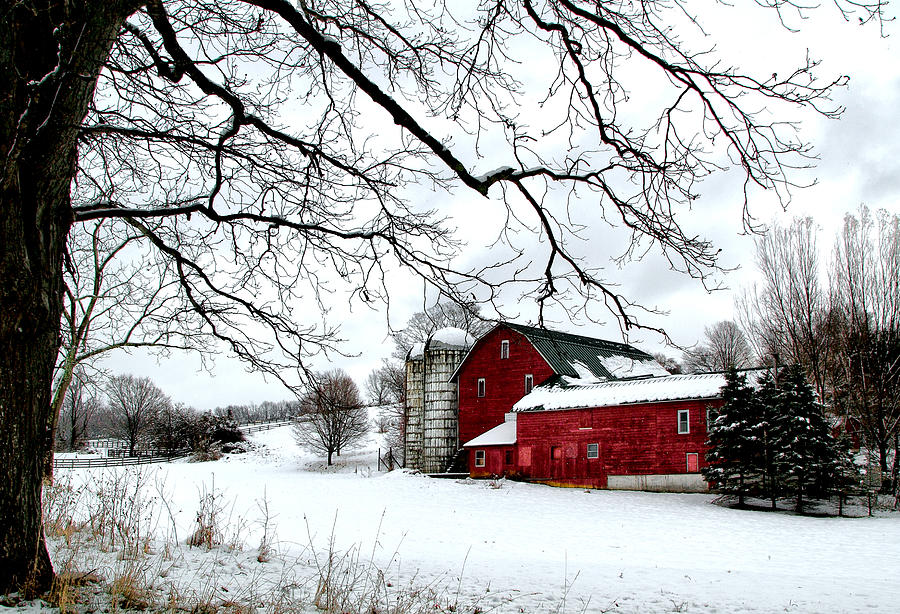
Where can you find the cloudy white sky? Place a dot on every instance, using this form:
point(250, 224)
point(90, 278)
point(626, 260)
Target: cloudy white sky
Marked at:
point(859, 162)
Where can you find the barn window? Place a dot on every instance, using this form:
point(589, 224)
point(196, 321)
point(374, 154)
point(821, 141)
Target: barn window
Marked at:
point(509, 457)
point(684, 421)
point(593, 450)
point(693, 462)
point(710, 417)
point(481, 386)
point(479, 458)
point(529, 383)
point(504, 349)
point(556, 452)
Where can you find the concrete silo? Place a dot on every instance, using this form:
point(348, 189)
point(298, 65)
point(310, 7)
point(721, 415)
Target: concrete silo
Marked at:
point(432, 433)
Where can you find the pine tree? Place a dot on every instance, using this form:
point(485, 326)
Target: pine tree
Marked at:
point(807, 455)
point(733, 450)
point(765, 430)
point(843, 475)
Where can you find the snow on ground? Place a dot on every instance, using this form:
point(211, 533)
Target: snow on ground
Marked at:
point(523, 547)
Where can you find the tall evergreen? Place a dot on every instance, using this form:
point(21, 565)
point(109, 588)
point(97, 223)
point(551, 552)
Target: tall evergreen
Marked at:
point(732, 448)
point(807, 454)
point(766, 432)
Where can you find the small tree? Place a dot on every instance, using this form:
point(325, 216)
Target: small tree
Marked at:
point(734, 447)
point(844, 475)
point(333, 415)
point(175, 428)
point(134, 403)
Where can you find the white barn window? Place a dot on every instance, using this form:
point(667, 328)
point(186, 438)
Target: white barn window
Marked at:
point(529, 383)
point(479, 458)
point(593, 450)
point(684, 421)
point(504, 349)
point(481, 386)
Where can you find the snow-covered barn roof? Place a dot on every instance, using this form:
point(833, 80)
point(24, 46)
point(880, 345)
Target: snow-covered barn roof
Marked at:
point(571, 355)
point(568, 393)
point(584, 357)
point(503, 435)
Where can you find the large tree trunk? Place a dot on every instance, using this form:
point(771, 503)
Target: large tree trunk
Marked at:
point(43, 105)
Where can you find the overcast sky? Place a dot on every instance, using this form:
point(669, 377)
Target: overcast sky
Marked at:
point(859, 163)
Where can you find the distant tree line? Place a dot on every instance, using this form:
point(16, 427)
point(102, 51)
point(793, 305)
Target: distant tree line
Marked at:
point(138, 412)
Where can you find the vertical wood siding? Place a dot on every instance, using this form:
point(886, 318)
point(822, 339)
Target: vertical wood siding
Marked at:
point(495, 462)
point(504, 381)
point(633, 440)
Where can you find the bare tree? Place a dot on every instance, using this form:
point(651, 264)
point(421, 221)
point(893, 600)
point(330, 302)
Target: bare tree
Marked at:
point(423, 323)
point(865, 287)
point(332, 415)
point(376, 388)
point(723, 347)
point(787, 315)
point(134, 403)
point(175, 427)
point(391, 387)
point(118, 295)
point(669, 364)
point(237, 138)
point(78, 411)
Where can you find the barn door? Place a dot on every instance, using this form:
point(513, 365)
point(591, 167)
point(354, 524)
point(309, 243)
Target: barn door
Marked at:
point(693, 462)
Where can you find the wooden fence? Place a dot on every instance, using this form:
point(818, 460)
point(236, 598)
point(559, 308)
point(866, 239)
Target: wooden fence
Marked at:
point(263, 426)
point(153, 457)
point(84, 463)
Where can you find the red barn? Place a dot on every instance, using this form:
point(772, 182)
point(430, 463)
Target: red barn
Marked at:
point(507, 362)
point(557, 408)
point(642, 434)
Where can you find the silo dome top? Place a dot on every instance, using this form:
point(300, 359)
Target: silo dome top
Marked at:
point(450, 339)
point(416, 351)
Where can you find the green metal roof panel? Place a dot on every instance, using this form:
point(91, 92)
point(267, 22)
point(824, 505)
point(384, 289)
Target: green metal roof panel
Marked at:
point(562, 350)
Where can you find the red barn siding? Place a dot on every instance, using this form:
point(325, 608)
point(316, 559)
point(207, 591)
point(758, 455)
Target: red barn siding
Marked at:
point(495, 461)
point(504, 381)
point(633, 440)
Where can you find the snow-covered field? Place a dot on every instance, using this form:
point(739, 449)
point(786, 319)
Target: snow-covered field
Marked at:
point(506, 546)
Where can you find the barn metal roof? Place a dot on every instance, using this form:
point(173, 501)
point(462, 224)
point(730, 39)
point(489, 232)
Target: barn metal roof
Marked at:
point(582, 357)
point(565, 351)
point(561, 394)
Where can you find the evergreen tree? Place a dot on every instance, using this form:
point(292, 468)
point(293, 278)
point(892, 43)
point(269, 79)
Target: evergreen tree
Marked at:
point(733, 450)
point(843, 475)
point(767, 436)
point(807, 455)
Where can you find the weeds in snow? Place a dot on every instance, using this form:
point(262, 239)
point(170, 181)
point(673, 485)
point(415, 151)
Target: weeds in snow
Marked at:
point(208, 531)
point(115, 546)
